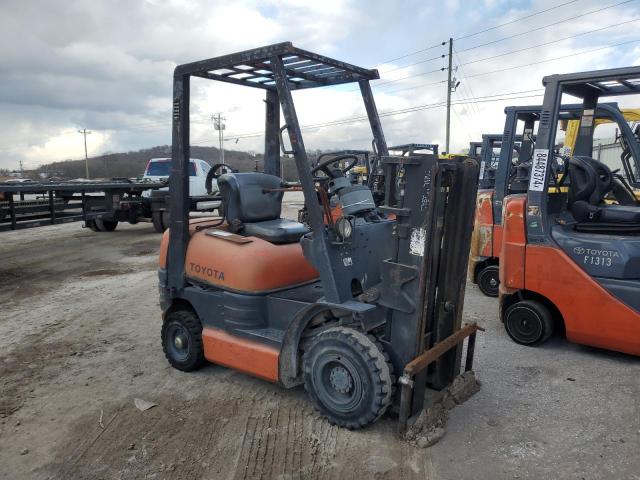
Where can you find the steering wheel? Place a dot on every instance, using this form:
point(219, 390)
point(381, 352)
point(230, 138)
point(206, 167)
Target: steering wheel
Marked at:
point(331, 173)
point(213, 174)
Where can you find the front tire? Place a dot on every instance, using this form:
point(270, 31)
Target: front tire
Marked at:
point(347, 377)
point(182, 340)
point(489, 280)
point(528, 322)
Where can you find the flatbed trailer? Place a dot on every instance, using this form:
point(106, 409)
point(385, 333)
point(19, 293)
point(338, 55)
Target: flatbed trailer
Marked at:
point(100, 204)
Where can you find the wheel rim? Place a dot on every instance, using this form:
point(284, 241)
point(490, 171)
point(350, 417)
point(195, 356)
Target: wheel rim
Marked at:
point(489, 282)
point(178, 342)
point(338, 383)
point(525, 324)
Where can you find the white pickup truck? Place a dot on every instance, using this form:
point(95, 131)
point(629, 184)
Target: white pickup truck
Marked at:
point(159, 169)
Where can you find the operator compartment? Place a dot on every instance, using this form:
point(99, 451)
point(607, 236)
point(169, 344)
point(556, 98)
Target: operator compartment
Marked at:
point(249, 252)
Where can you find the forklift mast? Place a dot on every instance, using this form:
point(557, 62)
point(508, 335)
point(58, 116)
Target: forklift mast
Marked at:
point(589, 87)
point(475, 149)
point(488, 162)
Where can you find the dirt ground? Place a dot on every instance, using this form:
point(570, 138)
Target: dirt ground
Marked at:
point(80, 328)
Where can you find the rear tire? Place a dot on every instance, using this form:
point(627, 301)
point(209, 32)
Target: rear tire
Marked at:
point(528, 322)
point(347, 377)
point(182, 340)
point(106, 225)
point(489, 280)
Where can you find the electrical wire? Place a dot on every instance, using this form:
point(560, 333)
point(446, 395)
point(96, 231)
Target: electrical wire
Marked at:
point(553, 59)
point(468, 35)
point(549, 43)
point(547, 25)
point(482, 99)
point(429, 72)
point(473, 34)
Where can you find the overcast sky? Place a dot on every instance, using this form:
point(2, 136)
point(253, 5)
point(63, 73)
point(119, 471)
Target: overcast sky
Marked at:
point(107, 66)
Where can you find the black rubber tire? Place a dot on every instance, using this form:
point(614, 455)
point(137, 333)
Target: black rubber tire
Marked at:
point(488, 280)
point(187, 324)
point(92, 225)
point(528, 322)
point(106, 225)
point(157, 220)
point(345, 359)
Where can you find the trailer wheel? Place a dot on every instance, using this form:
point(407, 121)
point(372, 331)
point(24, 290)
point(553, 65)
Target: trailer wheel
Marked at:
point(347, 377)
point(106, 225)
point(92, 225)
point(489, 280)
point(528, 322)
point(160, 220)
point(182, 340)
point(156, 218)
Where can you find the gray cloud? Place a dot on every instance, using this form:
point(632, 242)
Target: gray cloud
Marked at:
point(107, 65)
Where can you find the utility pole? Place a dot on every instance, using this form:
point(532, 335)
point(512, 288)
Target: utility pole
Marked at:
point(85, 132)
point(219, 125)
point(449, 88)
point(21, 169)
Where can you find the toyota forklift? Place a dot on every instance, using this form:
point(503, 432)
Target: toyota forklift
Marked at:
point(571, 260)
point(483, 262)
point(510, 175)
point(365, 309)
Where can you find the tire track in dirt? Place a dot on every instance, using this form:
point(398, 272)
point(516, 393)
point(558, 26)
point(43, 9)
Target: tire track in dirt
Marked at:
point(245, 435)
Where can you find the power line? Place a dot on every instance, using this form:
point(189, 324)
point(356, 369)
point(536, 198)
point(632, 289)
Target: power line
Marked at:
point(482, 99)
point(549, 43)
point(519, 50)
point(415, 63)
point(514, 21)
point(464, 83)
point(547, 25)
point(411, 54)
point(553, 59)
point(468, 35)
point(414, 87)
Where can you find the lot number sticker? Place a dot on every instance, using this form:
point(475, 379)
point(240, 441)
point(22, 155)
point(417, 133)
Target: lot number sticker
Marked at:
point(539, 169)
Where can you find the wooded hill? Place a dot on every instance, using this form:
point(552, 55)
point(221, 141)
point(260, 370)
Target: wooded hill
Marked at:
point(133, 164)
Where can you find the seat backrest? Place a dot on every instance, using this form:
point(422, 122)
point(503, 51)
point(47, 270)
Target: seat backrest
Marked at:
point(590, 180)
point(245, 200)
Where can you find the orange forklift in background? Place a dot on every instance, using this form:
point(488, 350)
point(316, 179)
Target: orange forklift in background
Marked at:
point(483, 257)
point(571, 260)
point(510, 175)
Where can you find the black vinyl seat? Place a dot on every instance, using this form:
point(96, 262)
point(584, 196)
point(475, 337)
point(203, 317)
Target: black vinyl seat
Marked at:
point(590, 182)
point(253, 209)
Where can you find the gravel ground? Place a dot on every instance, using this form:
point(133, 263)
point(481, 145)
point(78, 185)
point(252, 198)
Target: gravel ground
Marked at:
point(80, 329)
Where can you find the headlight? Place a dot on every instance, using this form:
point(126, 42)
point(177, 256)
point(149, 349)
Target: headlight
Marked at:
point(344, 228)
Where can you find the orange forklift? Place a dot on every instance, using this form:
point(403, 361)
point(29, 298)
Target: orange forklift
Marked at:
point(510, 175)
point(361, 304)
point(571, 260)
point(483, 259)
